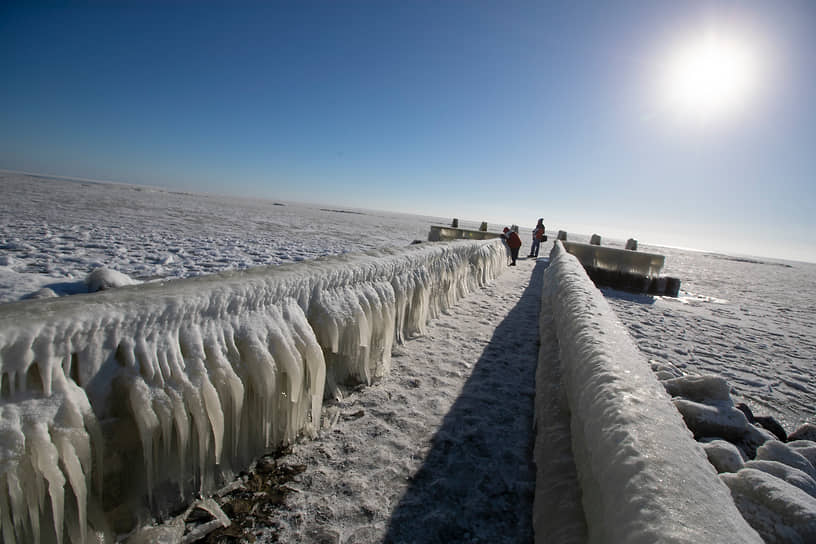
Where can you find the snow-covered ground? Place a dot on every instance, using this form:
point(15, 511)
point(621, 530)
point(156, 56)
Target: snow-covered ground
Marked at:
point(391, 463)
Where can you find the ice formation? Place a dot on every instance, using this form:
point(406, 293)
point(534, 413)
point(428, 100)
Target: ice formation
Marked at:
point(128, 401)
point(104, 278)
point(619, 260)
point(643, 477)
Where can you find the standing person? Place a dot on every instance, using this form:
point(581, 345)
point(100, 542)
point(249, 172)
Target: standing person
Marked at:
point(538, 237)
point(504, 241)
point(514, 243)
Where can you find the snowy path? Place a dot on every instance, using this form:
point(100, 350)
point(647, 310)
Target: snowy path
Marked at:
point(440, 450)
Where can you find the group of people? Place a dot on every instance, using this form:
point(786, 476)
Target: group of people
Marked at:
point(513, 241)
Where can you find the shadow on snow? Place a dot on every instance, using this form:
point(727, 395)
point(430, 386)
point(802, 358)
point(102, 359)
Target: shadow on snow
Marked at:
point(478, 481)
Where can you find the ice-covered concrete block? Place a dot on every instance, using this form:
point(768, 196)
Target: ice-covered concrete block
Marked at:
point(643, 476)
point(129, 401)
point(444, 233)
point(617, 260)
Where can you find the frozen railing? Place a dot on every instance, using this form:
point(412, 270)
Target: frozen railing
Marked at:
point(643, 478)
point(440, 233)
point(129, 401)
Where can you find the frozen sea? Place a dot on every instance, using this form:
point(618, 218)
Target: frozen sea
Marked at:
point(398, 461)
point(748, 319)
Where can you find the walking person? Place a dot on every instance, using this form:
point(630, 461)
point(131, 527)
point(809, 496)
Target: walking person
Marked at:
point(538, 237)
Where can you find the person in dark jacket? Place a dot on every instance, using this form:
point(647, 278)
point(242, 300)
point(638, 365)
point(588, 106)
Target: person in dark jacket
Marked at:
point(514, 243)
point(538, 237)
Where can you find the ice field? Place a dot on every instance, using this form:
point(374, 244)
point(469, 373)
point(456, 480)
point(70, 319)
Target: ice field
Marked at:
point(747, 320)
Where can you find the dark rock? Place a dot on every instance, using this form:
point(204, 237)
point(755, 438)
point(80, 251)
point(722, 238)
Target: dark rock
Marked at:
point(766, 422)
point(805, 432)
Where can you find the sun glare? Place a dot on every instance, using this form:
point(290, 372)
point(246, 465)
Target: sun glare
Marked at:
point(710, 76)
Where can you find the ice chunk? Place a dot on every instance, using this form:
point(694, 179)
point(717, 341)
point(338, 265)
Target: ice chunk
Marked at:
point(806, 448)
point(104, 278)
point(779, 511)
point(793, 476)
point(774, 450)
point(704, 389)
point(725, 457)
point(707, 420)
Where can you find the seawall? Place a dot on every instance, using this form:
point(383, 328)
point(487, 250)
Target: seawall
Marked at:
point(128, 402)
point(642, 476)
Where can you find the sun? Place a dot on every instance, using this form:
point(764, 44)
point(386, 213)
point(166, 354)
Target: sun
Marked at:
point(710, 76)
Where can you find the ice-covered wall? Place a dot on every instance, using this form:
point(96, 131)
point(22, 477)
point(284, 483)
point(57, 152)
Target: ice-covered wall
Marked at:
point(128, 401)
point(643, 477)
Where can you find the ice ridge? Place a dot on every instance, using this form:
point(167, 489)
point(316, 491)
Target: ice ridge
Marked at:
point(643, 477)
point(123, 404)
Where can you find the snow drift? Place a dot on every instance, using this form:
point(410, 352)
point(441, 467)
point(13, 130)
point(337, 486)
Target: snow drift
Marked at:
point(643, 477)
point(123, 403)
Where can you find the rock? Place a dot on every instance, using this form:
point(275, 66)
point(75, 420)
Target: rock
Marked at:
point(712, 420)
point(805, 432)
point(168, 533)
point(766, 422)
point(213, 511)
point(704, 389)
point(793, 476)
point(725, 457)
point(773, 450)
point(777, 510)
point(806, 448)
point(753, 438)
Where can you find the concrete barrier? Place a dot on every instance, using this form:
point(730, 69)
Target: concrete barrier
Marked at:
point(440, 233)
point(125, 403)
point(643, 477)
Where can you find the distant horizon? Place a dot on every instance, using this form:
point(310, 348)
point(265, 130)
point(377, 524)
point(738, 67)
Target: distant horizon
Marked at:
point(444, 220)
point(686, 122)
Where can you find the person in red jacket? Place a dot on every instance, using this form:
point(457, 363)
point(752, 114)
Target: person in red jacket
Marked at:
point(514, 243)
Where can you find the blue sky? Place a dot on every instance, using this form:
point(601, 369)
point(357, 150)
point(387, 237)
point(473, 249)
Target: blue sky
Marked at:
point(499, 111)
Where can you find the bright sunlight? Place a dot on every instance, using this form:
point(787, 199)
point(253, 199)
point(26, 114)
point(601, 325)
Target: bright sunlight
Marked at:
point(711, 76)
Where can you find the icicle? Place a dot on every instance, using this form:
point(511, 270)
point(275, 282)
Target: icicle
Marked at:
point(46, 461)
point(147, 423)
point(76, 478)
point(9, 527)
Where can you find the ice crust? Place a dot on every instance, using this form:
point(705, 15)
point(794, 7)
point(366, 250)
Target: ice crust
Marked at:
point(643, 477)
point(138, 397)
